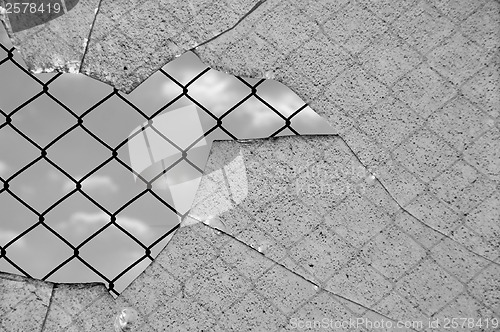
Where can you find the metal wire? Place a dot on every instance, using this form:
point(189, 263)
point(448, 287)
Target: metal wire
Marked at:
point(39, 216)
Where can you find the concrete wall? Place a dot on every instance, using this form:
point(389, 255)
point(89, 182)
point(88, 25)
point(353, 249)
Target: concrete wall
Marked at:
point(411, 88)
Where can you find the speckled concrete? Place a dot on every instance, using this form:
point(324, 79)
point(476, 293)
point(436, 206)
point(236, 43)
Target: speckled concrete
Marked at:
point(23, 303)
point(327, 219)
point(412, 90)
point(125, 41)
point(66, 36)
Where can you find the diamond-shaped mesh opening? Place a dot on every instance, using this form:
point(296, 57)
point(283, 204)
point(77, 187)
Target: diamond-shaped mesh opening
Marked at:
point(111, 263)
point(76, 218)
point(36, 248)
point(42, 126)
point(147, 219)
point(38, 185)
point(79, 153)
point(213, 82)
point(112, 186)
point(101, 120)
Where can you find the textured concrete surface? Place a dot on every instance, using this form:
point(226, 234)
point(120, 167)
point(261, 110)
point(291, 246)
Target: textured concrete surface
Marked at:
point(305, 44)
point(321, 214)
point(412, 89)
point(66, 36)
point(23, 303)
point(124, 42)
point(132, 39)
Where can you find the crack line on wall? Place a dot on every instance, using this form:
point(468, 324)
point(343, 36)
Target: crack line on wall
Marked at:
point(390, 195)
point(48, 307)
point(257, 5)
point(405, 210)
point(295, 273)
point(89, 36)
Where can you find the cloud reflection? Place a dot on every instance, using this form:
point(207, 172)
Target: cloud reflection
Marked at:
point(101, 183)
point(83, 222)
point(3, 168)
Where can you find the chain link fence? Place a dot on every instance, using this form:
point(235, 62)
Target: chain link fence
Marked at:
point(38, 216)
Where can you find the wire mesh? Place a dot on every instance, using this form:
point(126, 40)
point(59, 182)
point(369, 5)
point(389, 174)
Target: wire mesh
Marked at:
point(78, 118)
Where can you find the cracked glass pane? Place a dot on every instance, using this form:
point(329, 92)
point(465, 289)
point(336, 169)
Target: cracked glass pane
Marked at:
point(106, 177)
point(393, 219)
